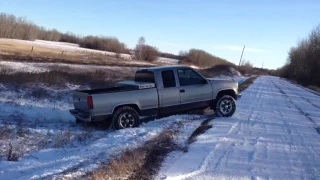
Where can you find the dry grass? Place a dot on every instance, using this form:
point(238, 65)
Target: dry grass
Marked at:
point(62, 139)
point(67, 137)
point(57, 77)
point(5, 132)
point(139, 163)
point(12, 46)
point(14, 152)
point(243, 86)
point(122, 166)
point(315, 88)
point(11, 50)
point(84, 136)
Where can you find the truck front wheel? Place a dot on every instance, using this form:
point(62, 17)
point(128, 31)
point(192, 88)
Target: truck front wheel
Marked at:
point(226, 106)
point(125, 117)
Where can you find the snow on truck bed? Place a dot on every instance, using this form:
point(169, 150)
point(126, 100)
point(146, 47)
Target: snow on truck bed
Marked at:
point(273, 135)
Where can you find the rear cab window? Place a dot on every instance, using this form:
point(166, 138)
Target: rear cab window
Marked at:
point(168, 79)
point(145, 76)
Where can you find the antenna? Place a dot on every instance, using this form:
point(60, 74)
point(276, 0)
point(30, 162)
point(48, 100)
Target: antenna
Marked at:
point(242, 54)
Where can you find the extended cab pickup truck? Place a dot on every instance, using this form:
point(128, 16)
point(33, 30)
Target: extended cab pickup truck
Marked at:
point(155, 91)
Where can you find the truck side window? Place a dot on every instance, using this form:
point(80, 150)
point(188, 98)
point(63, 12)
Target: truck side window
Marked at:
point(168, 79)
point(189, 77)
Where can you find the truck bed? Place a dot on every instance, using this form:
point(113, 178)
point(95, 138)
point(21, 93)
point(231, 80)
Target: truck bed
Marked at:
point(122, 86)
point(107, 90)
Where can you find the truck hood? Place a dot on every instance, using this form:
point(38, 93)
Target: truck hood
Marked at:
point(222, 84)
point(212, 80)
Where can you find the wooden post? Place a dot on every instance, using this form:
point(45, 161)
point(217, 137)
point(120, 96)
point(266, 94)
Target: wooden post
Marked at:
point(241, 55)
point(62, 52)
point(32, 49)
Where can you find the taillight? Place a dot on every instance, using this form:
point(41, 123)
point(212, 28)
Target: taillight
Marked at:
point(90, 102)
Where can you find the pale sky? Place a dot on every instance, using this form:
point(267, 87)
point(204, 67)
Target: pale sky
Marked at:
point(268, 28)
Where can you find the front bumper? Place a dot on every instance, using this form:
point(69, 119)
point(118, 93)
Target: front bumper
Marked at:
point(239, 96)
point(80, 115)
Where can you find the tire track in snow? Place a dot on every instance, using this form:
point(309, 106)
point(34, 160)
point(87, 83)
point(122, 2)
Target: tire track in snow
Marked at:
point(294, 144)
point(316, 126)
point(291, 130)
point(219, 156)
point(268, 138)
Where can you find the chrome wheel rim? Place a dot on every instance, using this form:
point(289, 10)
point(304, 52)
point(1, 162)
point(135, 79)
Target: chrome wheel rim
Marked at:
point(126, 120)
point(226, 106)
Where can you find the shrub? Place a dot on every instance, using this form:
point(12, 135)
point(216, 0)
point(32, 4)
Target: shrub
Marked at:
point(62, 139)
point(148, 53)
point(145, 52)
point(203, 59)
point(14, 152)
point(111, 44)
point(246, 67)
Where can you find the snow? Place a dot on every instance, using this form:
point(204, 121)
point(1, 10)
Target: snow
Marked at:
point(233, 74)
point(51, 162)
point(274, 134)
point(168, 60)
point(42, 121)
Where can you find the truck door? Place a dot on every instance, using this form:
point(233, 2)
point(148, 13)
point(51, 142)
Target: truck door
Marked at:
point(195, 91)
point(169, 95)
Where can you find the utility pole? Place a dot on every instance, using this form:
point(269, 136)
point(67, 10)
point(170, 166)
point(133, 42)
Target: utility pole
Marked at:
point(262, 65)
point(241, 55)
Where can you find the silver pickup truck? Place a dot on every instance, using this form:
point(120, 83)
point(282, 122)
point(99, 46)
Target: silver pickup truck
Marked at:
point(155, 91)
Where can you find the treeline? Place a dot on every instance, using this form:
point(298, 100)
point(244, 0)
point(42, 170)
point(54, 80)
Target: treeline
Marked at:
point(202, 58)
point(19, 28)
point(303, 63)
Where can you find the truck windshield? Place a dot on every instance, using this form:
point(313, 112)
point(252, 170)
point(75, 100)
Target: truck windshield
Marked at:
point(145, 76)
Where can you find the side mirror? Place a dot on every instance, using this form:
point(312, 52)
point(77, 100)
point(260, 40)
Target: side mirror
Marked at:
point(205, 81)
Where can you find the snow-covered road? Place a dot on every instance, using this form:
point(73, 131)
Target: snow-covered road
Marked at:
point(275, 134)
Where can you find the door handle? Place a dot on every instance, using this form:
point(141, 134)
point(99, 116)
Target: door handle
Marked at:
point(182, 90)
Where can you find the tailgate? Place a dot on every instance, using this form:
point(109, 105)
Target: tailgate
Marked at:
point(80, 101)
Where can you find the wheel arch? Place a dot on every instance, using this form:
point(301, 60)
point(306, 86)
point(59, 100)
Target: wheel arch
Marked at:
point(229, 92)
point(134, 106)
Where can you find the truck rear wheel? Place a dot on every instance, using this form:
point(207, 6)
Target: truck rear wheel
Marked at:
point(226, 106)
point(125, 117)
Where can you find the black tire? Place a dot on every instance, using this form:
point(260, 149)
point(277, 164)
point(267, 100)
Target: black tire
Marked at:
point(125, 117)
point(78, 121)
point(225, 106)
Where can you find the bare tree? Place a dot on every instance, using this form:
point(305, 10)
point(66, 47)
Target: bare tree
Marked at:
point(303, 63)
point(145, 52)
point(139, 47)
